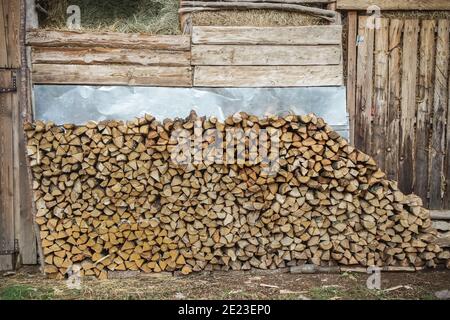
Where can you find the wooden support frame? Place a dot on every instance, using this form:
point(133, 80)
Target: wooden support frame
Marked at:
point(394, 4)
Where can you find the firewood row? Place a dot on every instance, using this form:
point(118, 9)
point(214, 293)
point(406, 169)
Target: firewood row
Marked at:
point(115, 196)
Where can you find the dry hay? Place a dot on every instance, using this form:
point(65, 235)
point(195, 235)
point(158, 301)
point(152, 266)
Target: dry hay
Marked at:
point(145, 16)
point(254, 18)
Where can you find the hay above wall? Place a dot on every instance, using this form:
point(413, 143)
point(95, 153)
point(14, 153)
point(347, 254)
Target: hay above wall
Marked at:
point(254, 18)
point(160, 16)
point(146, 16)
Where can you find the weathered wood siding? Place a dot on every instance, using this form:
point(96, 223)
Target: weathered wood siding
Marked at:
point(402, 101)
point(63, 57)
point(267, 57)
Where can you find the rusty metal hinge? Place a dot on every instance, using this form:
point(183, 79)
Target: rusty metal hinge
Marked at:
point(13, 251)
point(13, 87)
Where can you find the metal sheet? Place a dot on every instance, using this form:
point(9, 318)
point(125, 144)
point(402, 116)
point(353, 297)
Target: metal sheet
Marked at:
point(79, 104)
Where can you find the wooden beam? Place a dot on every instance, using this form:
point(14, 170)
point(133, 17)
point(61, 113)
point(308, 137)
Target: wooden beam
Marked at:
point(440, 106)
point(267, 76)
point(7, 210)
point(307, 35)
point(45, 38)
point(394, 4)
point(248, 55)
point(351, 71)
point(381, 90)
point(193, 6)
point(424, 106)
point(112, 75)
point(394, 98)
point(440, 214)
point(32, 20)
point(364, 85)
point(408, 105)
point(110, 56)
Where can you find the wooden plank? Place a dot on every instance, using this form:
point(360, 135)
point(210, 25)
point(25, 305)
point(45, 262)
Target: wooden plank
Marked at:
point(253, 55)
point(440, 214)
point(446, 200)
point(108, 40)
point(394, 98)
point(6, 173)
point(9, 34)
point(440, 104)
point(364, 85)
point(381, 89)
point(3, 37)
point(424, 107)
point(11, 11)
point(267, 76)
point(112, 75)
point(32, 20)
point(351, 71)
point(408, 105)
point(394, 4)
point(108, 56)
point(306, 35)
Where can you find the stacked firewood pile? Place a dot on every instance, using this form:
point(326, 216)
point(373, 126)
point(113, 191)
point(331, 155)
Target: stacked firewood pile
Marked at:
point(110, 196)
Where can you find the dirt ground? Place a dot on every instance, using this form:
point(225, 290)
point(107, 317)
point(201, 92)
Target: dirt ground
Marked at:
point(28, 283)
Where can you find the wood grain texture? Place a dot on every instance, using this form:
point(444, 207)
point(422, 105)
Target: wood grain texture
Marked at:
point(351, 71)
point(394, 4)
point(408, 105)
point(112, 75)
point(6, 173)
point(107, 40)
point(9, 34)
point(108, 56)
point(392, 125)
point(381, 89)
point(440, 104)
point(424, 107)
point(251, 55)
point(267, 76)
point(364, 85)
point(307, 35)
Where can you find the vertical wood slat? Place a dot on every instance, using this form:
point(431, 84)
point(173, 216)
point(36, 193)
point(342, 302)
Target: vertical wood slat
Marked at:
point(381, 92)
point(394, 97)
point(440, 105)
point(364, 85)
point(351, 71)
point(446, 202)
point(6, 174)
point(424, 107)
point(408, 105)
point(9, 34)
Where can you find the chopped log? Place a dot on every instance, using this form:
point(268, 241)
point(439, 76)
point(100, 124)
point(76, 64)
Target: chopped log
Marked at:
point(121, 197)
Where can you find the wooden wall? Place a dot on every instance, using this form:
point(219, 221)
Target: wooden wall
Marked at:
point(16, 221)
point(398, 79)
point(217, 57)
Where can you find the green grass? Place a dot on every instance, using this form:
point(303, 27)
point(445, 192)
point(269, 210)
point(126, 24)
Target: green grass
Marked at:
point(147, 16)
point(23, 292)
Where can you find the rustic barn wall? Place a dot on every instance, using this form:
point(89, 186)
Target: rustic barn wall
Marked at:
point(401, 98)
point(17, 239)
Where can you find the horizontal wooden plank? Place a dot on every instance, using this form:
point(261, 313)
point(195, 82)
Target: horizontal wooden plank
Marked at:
point(112, 75)
point(267, 76)
point(45, 38)
point(394, 4)
point(440, 214)
point(97, 55)
point(251, 55)
point(306, 35)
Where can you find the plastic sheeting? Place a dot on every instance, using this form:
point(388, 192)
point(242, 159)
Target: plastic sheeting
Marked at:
point(79, 104)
